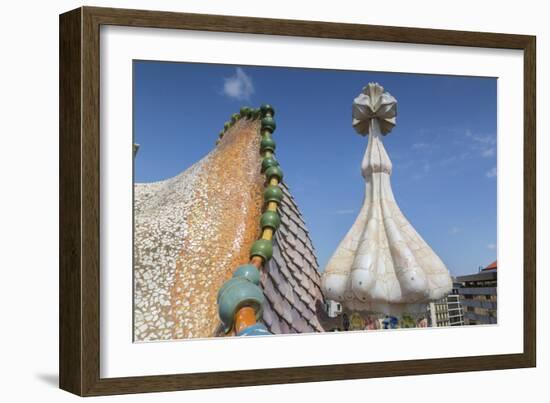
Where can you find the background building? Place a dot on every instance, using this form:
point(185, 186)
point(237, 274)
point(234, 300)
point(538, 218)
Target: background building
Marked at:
point(478, 296)
point(447, 311)
point(456, 313)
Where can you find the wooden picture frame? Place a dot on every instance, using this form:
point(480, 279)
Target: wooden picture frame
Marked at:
point(79, 346)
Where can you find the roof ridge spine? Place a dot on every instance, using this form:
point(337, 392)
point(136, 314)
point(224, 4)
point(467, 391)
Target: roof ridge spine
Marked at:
point(240, 299)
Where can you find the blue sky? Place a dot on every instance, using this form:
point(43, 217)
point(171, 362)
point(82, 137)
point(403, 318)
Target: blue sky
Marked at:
point(443, 147)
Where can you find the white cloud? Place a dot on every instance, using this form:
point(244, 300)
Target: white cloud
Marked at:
point(491, 173)
point(239, 86)
point(454, 230)
point(488, 152)
point(491, 246)
point(345, 211)
point(425, 147)
point(485, 145)
point(420, 146)
point(488, 139)
point(424, 169)
point(452, 159)
point(484, 139)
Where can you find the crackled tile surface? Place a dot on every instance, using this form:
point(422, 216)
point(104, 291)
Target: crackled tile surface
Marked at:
point(191, 231)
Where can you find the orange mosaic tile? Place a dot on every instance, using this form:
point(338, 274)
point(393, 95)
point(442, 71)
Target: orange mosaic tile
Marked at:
point(205, 219)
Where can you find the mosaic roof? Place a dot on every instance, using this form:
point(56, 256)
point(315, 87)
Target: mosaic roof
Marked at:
point(191, 231)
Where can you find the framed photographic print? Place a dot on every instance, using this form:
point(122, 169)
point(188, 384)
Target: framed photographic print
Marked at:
point(249, 201)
